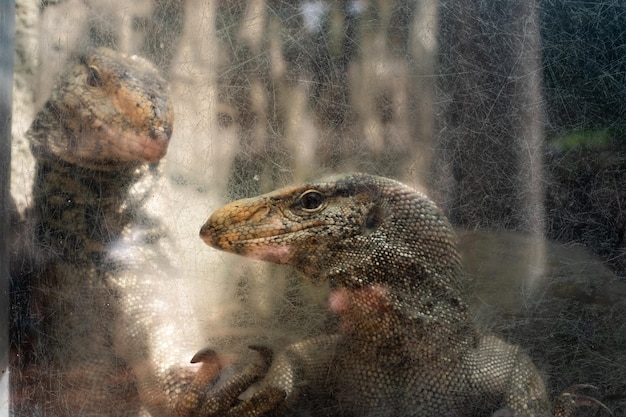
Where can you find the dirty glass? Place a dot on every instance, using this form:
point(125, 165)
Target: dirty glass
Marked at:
point(508, 114)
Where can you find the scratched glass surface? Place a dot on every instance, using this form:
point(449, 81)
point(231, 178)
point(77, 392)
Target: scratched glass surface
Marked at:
point(509, 115)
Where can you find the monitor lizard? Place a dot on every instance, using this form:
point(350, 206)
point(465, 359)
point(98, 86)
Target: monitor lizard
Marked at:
point(406, 344)
point(103, 337)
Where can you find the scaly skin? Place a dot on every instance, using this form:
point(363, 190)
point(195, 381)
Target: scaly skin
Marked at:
point(103, 338)
point(107, 110)
point(406, 345)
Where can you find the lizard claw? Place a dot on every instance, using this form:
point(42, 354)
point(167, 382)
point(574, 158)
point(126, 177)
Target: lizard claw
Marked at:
point(208, 396)
point(207, 374)
point(571, 399)
point(205, 355)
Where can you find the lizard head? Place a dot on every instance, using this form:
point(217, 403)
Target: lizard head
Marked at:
point(107, 110)
point(355, 230)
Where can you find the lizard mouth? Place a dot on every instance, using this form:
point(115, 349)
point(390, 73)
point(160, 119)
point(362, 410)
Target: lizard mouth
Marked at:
point(150, 148)
point(219, 237)
point(269, 253)
point(257, 248)
point(107, 149)
point(129, 146)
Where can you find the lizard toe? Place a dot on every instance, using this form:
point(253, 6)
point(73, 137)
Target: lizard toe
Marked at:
point(572, 398)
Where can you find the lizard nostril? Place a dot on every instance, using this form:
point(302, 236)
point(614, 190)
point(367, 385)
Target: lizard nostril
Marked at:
point(259, 213)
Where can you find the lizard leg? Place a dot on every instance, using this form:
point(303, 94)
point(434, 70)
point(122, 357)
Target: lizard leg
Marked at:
point(284, 378)
point(204, 399)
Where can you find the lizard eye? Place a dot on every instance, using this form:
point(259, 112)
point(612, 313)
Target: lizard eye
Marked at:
point(93, 77)
point(311, 200)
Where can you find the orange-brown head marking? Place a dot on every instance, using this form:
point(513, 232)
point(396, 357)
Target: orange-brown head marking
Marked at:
point(108, 109)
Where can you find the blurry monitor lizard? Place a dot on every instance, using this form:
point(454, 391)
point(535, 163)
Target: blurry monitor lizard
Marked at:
point(96, 329)
point(406, 344)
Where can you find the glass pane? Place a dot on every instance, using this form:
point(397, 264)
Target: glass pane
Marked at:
point(507, 115)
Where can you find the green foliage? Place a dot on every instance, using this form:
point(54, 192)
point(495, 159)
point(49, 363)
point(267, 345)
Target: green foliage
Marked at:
point(583, 138)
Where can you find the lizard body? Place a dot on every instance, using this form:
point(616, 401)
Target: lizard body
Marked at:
point(102, 339)
point(406, 345)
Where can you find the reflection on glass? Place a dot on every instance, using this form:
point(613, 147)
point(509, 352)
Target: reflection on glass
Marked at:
point(507, 115)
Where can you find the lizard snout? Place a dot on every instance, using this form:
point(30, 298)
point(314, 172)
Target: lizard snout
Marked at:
point(207, 235)
point(234, 222)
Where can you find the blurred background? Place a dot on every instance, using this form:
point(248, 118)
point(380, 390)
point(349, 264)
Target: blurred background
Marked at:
point(510, 115)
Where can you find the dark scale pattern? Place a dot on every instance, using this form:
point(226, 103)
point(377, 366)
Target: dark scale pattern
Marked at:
point(406, 345)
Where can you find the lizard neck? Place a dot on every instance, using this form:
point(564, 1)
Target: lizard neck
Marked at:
point(412, 310)
point(79, 211)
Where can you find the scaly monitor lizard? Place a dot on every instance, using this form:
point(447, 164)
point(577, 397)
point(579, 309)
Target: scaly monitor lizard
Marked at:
point(406, 344)
point(103, 338)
